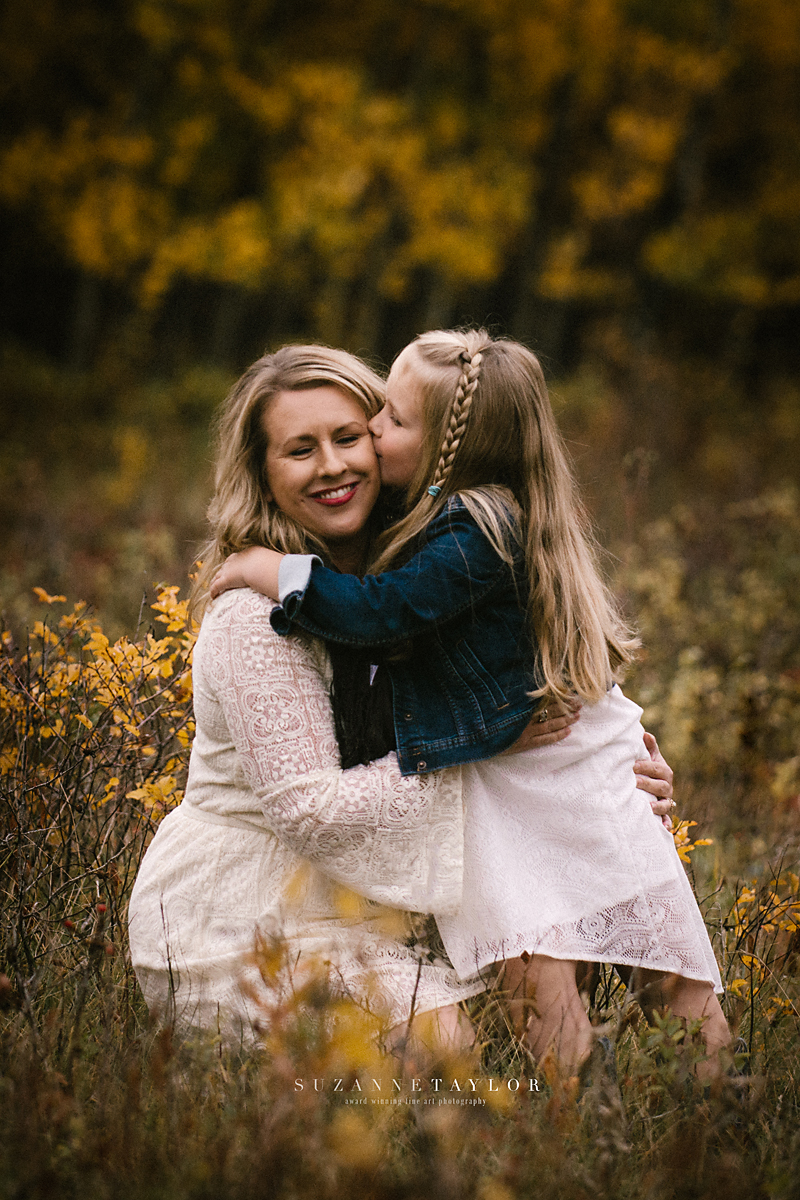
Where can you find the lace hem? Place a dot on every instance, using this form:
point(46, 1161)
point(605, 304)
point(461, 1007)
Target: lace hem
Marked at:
point(662, 930)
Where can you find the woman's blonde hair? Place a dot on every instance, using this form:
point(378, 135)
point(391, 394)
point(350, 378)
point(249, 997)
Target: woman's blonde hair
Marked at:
point(239, 513)
point(490, 435)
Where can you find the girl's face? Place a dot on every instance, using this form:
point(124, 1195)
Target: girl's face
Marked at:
point(321, 467)
point(397, 430)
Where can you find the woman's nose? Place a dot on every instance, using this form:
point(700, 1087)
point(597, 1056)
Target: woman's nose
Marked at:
point(331, 460)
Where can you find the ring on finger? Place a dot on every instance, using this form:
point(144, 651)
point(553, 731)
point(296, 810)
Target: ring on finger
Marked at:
point(673, 803)
point(542, 716)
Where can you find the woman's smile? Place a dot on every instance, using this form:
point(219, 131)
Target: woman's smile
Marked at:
point(321, 467)
point(336, 496)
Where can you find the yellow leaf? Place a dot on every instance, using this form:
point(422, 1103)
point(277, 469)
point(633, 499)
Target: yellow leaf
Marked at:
point(46, 598)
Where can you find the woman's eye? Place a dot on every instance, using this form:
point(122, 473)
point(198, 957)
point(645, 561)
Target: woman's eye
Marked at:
point(349, 438)
point(300, 452)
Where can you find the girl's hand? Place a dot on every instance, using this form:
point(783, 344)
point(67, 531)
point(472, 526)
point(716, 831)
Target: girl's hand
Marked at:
point(538, 733)
point(654, 775)
point(256, 568)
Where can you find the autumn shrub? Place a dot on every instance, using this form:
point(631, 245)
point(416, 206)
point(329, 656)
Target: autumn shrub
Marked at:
point(93, 753)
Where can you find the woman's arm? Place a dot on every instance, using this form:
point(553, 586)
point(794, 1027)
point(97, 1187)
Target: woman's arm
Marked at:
point(395, 839)
point(455, 569)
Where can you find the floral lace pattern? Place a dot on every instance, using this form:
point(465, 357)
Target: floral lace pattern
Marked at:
point(274, 838)
point(662, 930)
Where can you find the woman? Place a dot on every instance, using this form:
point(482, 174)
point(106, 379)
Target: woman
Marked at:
point(271, 824)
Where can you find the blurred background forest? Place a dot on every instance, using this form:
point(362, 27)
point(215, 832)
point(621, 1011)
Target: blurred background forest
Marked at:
point(615, 182)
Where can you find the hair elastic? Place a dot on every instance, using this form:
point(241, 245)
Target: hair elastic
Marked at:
point(434, 490)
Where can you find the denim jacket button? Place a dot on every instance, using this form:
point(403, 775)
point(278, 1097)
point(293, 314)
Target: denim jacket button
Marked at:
point(408, 716)
point(421, 765)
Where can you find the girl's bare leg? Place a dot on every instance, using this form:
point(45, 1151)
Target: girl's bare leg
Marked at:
point(692, 1000)
point(546, 1011)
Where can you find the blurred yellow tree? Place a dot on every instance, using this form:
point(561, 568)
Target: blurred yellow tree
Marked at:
point(353, 153)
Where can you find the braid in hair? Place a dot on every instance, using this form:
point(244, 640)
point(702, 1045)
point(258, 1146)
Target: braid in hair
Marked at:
point(459, 413)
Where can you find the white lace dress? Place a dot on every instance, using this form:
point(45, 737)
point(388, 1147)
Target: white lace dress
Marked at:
point(563, 857)
point(274, 838)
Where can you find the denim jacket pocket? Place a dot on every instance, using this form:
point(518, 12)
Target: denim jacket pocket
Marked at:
point(476, 677)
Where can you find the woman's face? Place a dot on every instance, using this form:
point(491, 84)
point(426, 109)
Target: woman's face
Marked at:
point(321, 467)
point(398, 430)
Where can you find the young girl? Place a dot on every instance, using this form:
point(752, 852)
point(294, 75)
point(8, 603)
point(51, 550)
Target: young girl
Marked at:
point(484, 599)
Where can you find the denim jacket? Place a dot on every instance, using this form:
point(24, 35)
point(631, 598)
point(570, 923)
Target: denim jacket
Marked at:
point(460, 690)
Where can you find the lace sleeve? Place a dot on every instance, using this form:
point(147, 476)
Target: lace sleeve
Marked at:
point(392, 838)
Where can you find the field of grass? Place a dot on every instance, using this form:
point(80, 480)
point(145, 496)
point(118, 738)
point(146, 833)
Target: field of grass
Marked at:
point(95, 1101)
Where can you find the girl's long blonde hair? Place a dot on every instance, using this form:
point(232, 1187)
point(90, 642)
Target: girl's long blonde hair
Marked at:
point(239, 513)
point(490, 436)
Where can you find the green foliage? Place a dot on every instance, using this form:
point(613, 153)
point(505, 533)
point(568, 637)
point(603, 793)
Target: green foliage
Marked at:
point(105, 479)
point(716, 599)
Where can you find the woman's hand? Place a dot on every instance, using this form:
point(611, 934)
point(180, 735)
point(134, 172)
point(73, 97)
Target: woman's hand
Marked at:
point(554, 728)
point(256, 568)
point(654, 775)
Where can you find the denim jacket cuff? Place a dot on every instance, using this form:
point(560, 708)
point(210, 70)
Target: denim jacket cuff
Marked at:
point(293, 576)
